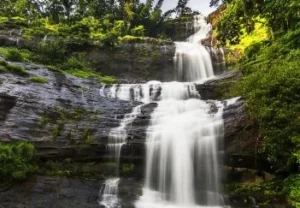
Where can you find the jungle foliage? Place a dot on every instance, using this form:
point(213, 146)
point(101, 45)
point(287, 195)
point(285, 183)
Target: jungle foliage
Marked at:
point(271, 81)
point(104, 21)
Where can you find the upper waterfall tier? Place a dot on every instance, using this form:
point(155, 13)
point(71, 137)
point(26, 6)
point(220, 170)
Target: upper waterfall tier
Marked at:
point(192, 60)
point(202, 29)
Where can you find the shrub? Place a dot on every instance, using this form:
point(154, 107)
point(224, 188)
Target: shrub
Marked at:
point(77, 68)
point(78, 31)
point(17, 161)
point(3, 62)
point(14, 55)
point(2, 69)
point(271, 86)
point(292, 190)
point(50, 51)
point(3, 19)
point(138, 31)
point(15, 69)
point(41, 80)
point(72, 64)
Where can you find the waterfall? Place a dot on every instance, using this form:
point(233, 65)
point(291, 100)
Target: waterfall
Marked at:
point(182, 165)
point(183, 137)
point(192, 60)
point(117, 138)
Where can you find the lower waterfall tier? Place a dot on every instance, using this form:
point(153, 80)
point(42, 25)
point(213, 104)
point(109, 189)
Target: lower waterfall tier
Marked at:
point(182, 152)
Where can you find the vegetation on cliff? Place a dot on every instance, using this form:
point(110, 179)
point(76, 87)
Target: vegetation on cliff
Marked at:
point(103, 22)
point(59, 33)
point(17, 161)
point(271, 81)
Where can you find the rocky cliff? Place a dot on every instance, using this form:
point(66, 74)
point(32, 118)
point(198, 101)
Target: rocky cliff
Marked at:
point(68, 121)
point(68, 111)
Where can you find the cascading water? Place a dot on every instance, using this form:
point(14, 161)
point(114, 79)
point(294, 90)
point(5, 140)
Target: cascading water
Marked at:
point(192, 60)
point(182, 165)
point(182, 140)
point(117, 138)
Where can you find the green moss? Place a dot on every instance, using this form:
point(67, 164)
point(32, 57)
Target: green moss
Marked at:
point(17, 161)
point(54, 69)
point(2, 69)
point(3, 19)
point(128, 168)
point(70, 168)
point(16, 69)
point(108, 79)
point(41, 80)
point(15, 54)
point(56, 131)
point(78, 69)
point(81, 73)
point(87, 136)
point(134, 39)
point(3, 51)
point(3, 63)
point(58, 117)
point(44, 120)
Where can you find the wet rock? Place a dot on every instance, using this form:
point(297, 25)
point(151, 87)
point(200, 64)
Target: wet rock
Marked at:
point(135, 62)
point(68, 118)
point(215, 88)
point(180, 29)
point(49, 192)
point(66, 110)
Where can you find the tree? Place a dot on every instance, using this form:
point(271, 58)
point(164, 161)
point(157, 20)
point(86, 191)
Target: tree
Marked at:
point(280, 16)
point(67, 4)
point(181, 7)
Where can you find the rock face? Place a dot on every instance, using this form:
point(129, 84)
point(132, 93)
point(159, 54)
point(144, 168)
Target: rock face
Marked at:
point(43, 191)
point(180, 29)
point(61, 108)
point(129, 62)
point(135, 62)
point(67, 118)
point(67, 112)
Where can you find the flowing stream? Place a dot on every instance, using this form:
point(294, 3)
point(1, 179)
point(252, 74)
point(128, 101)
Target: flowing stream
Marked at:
point(182, 164)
